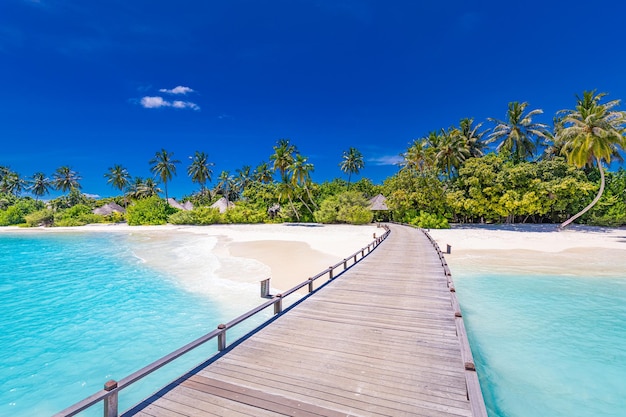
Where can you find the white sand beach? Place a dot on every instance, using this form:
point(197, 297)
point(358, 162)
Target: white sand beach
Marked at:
point(219, 259)
point(578, 250)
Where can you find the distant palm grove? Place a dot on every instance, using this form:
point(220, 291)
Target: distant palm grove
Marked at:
point(498, 171)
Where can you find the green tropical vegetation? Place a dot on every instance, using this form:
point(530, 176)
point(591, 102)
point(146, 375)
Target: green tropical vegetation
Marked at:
point(515, 170)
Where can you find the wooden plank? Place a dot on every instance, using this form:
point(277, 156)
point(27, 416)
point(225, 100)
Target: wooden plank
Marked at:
point(380, 339)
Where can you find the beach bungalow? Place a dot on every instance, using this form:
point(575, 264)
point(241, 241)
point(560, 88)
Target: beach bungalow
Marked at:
point(378, 205)
point(222, 205)
point(109, 209)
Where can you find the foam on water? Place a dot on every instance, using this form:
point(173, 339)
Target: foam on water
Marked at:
point(547, 345)
point(79, 309)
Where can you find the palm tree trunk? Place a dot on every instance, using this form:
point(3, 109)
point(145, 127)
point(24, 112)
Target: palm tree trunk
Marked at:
point(593, 203)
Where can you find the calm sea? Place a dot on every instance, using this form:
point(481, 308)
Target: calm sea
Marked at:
point(550, 346)
point(80, 309)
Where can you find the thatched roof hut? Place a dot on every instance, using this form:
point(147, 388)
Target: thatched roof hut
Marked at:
point(378, 203)
point(222, 205)
point(175, 204)
point(188, 205)
point(109, 209)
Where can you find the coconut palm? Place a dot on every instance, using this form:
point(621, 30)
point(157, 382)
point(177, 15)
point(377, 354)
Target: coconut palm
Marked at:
point(592, 133)
point(39, 185)
point(262, 173)
point(352, 162)
point(164, 166)
point(282, 157)
point(472, 138)
point(451, 152)
point(518, 135)
point(244, 178)
point(65, 179)
point(226, 185)
point(12, 183)
point(418, 157)
point(200, 170)
point(118, 177)
point(300, 171)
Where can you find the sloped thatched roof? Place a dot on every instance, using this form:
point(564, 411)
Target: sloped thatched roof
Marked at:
point(187, 205)
point(175, 204)
point(378, 203)
point(222, 205)
point(109, 209)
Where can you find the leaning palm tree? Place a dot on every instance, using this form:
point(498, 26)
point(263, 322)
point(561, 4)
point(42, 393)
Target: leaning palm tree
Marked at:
point(164, 166)
point(226, 186)
point(39, 185)
point(352, 162)
point(200, 170)
point(518, 135)
point(592, 133)
point(65, 179)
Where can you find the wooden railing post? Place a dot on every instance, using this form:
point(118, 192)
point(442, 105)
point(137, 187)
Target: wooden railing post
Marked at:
point(310, 284)
point(345, 264)
point(330, 272)
point(355, 258)
point(265, 288)
point(110, 402)
point(221, 338)
point(278, 305)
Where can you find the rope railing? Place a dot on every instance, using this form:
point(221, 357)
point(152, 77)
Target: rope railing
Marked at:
point(108, 396)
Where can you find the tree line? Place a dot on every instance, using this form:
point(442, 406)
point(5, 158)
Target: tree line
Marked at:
point(517, 170)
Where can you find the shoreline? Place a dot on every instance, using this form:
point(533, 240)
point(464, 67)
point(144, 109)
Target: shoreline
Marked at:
point(577, 251)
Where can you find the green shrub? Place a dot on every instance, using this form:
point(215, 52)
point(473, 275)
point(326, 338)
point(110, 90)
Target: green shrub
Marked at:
point(355, 215)
point(197, 216)
point(78, 215)
point(38, 218)
point(16, 213)
point(327, 213)
point(149, 211)
point(244, 214)
point(430, 221)
point(348, 207)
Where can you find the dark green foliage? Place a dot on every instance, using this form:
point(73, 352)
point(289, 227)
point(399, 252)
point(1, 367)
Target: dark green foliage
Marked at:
point(149, 211)
point(77, 215)
point(348, 207)
point(16, 213)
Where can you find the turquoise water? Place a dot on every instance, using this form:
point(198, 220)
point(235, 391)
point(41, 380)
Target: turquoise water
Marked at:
point(547, 345)
point(80, 309)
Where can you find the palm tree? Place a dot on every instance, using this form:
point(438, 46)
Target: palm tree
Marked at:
point(118, 177)
point(65, 179)
point(471, 136)
point(301, 176)
point(39, 185)
point(352, 162)
point(164, 167)
point(225, 185)
point(419, 156)
point(200, 170)
point(592, 133)
point(262, 173)
point(149, 188)
point(282, 157)
point(12, 183)
point(452, 151)
point(244, 178)
point(518, 135)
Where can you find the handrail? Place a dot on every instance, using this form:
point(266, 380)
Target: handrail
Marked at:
point(109, 395)
point(472, 385)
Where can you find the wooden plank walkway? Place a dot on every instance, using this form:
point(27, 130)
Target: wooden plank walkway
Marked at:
point(380, 340)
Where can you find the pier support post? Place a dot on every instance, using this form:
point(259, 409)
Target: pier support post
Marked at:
point(448, 249)
point(110, 402)
point(265, 288)
point(221, 338)
point(278, 305)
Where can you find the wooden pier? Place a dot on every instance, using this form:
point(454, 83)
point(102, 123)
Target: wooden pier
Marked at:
point(385, 338)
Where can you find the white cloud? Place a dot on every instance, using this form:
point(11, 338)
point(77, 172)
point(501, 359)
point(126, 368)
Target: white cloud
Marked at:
point(149, 102)
point(154, 102)
point(185, 105)
point(385, 160)
point(177, 90)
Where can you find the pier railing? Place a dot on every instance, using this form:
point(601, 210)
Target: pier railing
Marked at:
point(108, 396)
point(474, 393)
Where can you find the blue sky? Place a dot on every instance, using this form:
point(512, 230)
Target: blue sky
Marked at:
point(91, 84)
